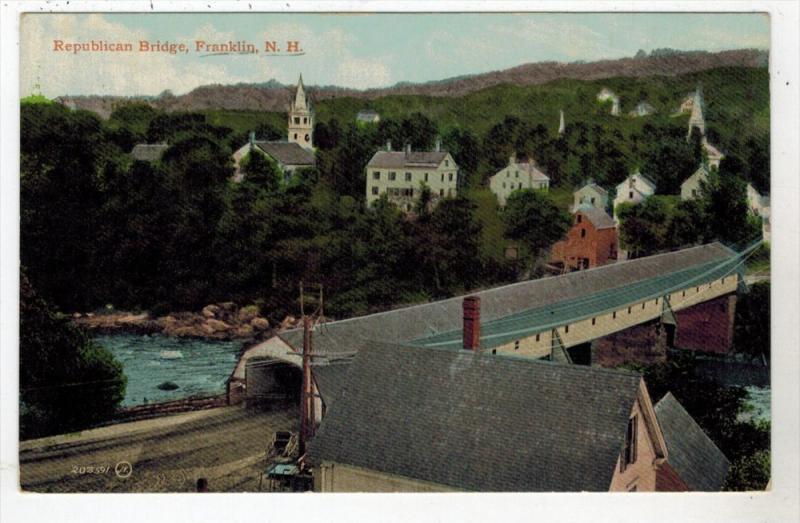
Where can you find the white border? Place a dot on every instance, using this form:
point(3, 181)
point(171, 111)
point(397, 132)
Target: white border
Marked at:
point(781, 504)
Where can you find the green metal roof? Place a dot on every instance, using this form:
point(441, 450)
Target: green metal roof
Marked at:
point(541, 319)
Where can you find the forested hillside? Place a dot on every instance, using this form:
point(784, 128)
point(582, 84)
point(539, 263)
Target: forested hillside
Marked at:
point(99, 228)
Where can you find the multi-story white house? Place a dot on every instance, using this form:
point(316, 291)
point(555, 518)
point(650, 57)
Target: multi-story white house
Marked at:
point(401, 175)
point(524, 174)
point(634, 189)
point(590, 194)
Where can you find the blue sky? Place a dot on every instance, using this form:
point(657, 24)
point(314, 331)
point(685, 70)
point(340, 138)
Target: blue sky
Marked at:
point(353, 50)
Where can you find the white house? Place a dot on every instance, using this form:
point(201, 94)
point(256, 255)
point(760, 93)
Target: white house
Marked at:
point(590, 194)
point(634, 189)
point(517, 175)
point(368, 116)
point(642, 109)
point(606, 94)
point(690, 188)
point(401, 174)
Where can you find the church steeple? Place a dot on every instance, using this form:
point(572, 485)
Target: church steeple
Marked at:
point(697, 119)
point(301, 118)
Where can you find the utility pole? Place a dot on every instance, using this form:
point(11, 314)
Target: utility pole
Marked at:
point(307, 413)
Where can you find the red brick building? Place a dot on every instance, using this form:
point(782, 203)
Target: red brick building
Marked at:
point(591, 242)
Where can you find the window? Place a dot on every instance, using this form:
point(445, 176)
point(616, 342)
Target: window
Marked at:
point(442, 176)
point(614, 315)
point(374, 190)
point(592, 200)
point(578, 218)
point(305, 120)
point(583, 233)
point(408, 177)
point(447, 163)
point(441, 192)
point(520, 185)
point(516, 345)
point(516, 174)
point(392, 176)
point(508, 174)
point(643, 304)
point(594, 320)
point(449, 177)
point(308, 138)
point(629, 452)
point(537, 337)
point(426, 177)
point(656, 301)
point(694, 193)
point(296, 119)
point(376, 175)
point(566, 329)
point(683, 294)
point(629, 310)
point(697, 289)
point(504, 185)
point(630, 195)
point(295, 136)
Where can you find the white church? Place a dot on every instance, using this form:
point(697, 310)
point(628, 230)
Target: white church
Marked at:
point(297, 151)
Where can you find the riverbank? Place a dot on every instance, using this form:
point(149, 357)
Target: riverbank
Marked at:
point(219, 321)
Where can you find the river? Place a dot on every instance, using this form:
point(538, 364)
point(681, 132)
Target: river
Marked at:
point(197, 367)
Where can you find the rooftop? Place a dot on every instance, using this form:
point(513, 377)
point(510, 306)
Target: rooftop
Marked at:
point(287, 153)
point(400, 159)
point(696, 459)
point(478, 422)
point(599, 218)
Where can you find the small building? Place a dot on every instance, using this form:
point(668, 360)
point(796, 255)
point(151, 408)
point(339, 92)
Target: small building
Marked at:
point(149, 152)
point(713, 155)
point(642, 109)
point(590, 194)
point(694, 462)
point(289, 156)
point(686, 104)
point(591, 242)
point(368, 116)
point(755, 201)
point(413, 419)
point(401, 174)
point(518, 174)
point(607, 94)
point(634, 189)
point(691, 187)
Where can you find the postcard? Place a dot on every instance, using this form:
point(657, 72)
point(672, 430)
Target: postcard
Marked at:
point(413, 252)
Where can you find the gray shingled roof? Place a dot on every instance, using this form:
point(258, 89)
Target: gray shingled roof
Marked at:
point(478, 422)
point(287, 153)
point(401, 159)
point(148, 152)
point(696, 459)
point(429, 319)
point(599, 218)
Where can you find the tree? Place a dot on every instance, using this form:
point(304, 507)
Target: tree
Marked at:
point(66, 381)
point(531, 218)
point(724, 201)
point(262, 171)
point(751, 332)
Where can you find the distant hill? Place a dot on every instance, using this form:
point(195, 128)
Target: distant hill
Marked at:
point(273, 96)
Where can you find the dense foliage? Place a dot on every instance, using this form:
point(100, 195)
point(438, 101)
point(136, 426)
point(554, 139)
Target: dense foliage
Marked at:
point(66, 381)
point(751, 333)
point(716, 409)
point(99, 227)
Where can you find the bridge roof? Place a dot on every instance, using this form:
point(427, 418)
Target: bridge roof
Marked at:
point(540, 319)
point(570, 296)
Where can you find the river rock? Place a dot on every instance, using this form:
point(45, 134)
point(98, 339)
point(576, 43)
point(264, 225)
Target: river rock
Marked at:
point(244, 331)
point(210, 311)
point(184, 331)
point(217, 325)
point(260, 323)
point(247, 313)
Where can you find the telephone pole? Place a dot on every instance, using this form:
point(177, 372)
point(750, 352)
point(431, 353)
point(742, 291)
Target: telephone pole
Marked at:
point(307, 411)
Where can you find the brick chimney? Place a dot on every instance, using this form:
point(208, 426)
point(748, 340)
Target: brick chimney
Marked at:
point(472, 323)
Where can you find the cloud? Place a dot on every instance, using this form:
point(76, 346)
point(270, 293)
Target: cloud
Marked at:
point(123, 73)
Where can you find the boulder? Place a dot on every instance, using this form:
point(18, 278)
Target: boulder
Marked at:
point(228, 306)
point(244, 331)
point(259, 323)
point(216, 325)
point(247, 313)
point(182, 331)
point(210, 311)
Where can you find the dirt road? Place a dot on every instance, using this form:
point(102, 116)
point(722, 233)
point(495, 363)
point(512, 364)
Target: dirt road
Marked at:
point(226, 446)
